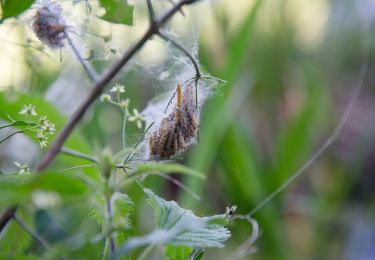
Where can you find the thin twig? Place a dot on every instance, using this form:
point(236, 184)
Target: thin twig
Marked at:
point(96, 90)
point(90, 70)
point(77, 167)
point(186, 52)
point(180, 184)
point(12, 134)
point(77, 154)
point(136, 144)
point(33, 234)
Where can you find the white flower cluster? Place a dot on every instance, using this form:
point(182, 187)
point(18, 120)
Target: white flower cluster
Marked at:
point(123, 104)
point(43, 128)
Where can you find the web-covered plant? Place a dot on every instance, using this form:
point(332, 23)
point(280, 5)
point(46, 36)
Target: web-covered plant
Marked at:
point(64, 198)
point(168, 126)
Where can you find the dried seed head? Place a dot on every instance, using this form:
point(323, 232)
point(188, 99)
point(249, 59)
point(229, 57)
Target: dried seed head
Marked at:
point(179, 130)
point(49, 27)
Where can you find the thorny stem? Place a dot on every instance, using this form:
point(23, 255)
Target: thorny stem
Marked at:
point(90, 70)
point(77, 154)
point(33, 234)
point(96, 90)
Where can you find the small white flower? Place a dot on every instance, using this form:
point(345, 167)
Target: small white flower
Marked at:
point(105, 98)
point(49, 127)
point(43, 138)
point(28, 110)
point(124, 103)
point(118, 88)
point(138, 118)
point(43, 120)
point(23, 168)
point(43, 143)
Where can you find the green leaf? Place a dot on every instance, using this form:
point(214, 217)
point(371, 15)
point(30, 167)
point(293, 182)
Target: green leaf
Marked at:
point(12, 8)
point(17, 189)
point(97, 209)
point(122, 208)
point(18, 123)
point(165, 168)
point(177, 252)
point(117, 11)
point(179, 227)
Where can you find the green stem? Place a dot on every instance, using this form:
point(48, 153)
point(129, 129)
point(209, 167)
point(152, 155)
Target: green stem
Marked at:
point(77, 154)
point(18, 132)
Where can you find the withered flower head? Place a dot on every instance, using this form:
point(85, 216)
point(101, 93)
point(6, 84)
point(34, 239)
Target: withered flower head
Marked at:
point(179, 130)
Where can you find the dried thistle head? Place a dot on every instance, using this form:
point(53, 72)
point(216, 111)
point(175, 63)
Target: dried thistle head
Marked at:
point(49, 27)
point(179, 130)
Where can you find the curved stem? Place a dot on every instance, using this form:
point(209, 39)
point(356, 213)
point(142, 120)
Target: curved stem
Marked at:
point(181, 48)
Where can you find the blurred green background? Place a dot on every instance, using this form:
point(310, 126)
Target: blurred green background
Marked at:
point(290, 67)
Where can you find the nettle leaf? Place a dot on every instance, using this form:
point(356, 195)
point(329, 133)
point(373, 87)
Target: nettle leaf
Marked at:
point(12, 8)
point(117, 11)
point(180, 227)
point(96, 210)
point(122, 208)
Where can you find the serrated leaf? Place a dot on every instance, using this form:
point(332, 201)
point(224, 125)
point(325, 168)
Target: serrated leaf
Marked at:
point(122, 208)
point(12, 8)
point(117, 11)
point(96, 215)
point(97, 209)
point(177, 252)
point(179, 227)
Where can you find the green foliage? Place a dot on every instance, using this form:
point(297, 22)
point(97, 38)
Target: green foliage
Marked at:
point(18, 123)
point(19, 189)
point(179, 227)
point(122, 209)
point(13, 8)
point(177, 252)
point(117, 11)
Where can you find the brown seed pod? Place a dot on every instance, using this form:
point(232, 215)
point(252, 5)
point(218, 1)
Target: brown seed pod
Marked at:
point(49, 28)
point(179, 130)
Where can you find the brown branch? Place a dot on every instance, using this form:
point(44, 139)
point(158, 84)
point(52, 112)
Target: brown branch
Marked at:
point(97, 89)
